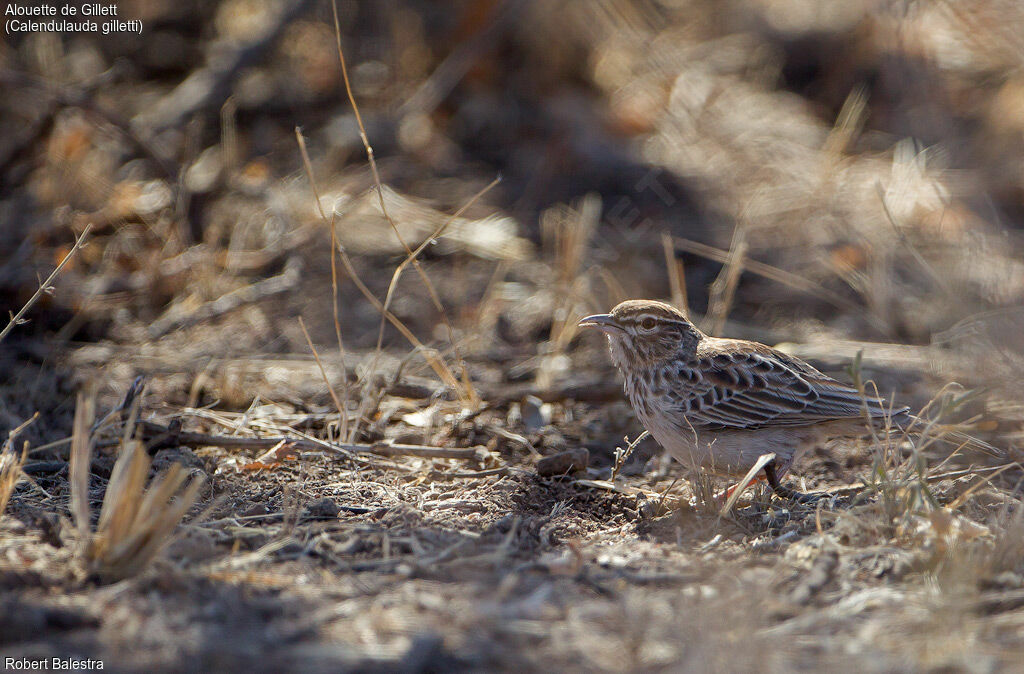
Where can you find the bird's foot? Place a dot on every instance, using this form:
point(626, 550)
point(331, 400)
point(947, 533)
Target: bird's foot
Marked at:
point(798, 496)
point(784, 491)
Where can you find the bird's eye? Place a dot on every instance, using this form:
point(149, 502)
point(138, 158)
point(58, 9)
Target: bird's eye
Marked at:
point(648, 323)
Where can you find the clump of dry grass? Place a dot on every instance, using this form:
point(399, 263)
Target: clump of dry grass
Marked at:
point(10, 474)
point(898, 503)
point(135, 521)
point(11, 463)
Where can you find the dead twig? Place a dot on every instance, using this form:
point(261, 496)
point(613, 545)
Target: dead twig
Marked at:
point(491, 472)
point(676, 274)
point(430, 355)
point(342, 412)
point(13, 434)
point(45, 286)
point(411, 258)
point(469, 393)
point(126, 404)
point(622, 455)
point(193, 439)
point(723, 290)
point(337, 321)
point(628, 490)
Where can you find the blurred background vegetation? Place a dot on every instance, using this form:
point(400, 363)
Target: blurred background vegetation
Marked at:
point(855, 168)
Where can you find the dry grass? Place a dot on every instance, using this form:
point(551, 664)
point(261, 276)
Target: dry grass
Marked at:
point(11, 462)
point(465, 386)
point(138, 516)
point(676, 275)
point(722, 292)
point(10, 474)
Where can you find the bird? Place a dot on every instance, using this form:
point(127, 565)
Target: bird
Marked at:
point(720, 404)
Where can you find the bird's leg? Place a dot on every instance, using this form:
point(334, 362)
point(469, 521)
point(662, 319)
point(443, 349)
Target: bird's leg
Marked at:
point(725, 495)
point(783, 491)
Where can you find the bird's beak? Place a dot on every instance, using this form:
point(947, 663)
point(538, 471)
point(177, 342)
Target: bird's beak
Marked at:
point(603, 322)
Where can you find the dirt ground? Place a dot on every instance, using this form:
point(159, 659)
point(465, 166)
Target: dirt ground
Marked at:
point(322, 562)
point(840, 180)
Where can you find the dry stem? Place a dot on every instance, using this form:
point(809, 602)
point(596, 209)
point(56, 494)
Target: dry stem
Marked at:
point(135, 522)
point(342, 412)
point(11, 463)
point(10, 474)
point(440, 367)
point(723, 290)
point(676, 275)
point(192, 439)
point(380, 197)
point(44, 287)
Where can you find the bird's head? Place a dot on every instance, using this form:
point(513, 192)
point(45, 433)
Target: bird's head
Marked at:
point(642, 333)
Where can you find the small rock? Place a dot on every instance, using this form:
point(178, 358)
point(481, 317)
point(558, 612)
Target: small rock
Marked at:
point(325, 508)
point(195, 545)
point(563, 463)
point(186, 457)
point(256, 509)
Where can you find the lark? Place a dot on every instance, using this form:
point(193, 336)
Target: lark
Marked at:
point(720, 404)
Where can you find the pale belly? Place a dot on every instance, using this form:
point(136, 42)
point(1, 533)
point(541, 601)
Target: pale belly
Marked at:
point(732, 453)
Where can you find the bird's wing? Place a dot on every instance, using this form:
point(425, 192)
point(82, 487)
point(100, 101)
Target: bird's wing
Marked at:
point(746, 389)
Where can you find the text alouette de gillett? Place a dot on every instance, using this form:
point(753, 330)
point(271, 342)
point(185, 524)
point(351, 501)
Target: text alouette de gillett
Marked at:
point(67, 18)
